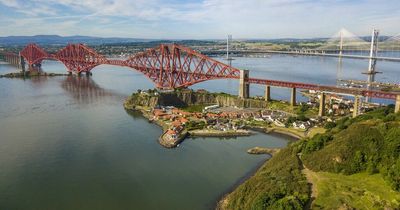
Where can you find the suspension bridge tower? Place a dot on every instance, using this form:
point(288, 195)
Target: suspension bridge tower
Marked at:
point(341, 44)
point(373, 54)
point(228, 46)
point(340, 60)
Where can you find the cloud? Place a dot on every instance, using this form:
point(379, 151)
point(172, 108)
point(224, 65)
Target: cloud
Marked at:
point(203, 18)
point(9, 3)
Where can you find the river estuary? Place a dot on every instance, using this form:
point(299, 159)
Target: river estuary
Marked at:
point(68, 143)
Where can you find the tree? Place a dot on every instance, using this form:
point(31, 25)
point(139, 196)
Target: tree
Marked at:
point(302, 117)
point(303, 108)
point(329, 125)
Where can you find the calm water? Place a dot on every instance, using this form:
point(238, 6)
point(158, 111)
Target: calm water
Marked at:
point(67, 143)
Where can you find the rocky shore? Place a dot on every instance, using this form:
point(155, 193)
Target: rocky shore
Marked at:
point(285, 131)
point(171, 142)
point(28, 74)
point(262, 150)
point(216, 133)
point(187, 97)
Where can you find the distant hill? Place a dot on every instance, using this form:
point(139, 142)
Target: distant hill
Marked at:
point(62, 40)
point(90, 40)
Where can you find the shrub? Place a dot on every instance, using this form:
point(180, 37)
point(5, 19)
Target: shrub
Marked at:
point(348, 152)
point(316, 143)
point(329, 125)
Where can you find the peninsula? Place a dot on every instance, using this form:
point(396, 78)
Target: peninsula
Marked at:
point(185, 112)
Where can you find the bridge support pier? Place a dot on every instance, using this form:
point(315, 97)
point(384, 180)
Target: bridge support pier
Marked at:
point(244, 86)
point(397, 107)
point(267, 93)
point(21, 63)
point(321, 111)
point(357, 104)
point(293, 97)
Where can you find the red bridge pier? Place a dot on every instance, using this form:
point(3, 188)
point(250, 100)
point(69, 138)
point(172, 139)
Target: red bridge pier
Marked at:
point(397, 107)
point(21, 63)
point(87, 73)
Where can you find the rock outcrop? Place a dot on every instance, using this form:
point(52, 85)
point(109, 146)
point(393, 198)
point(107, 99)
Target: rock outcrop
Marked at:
point(186, 97)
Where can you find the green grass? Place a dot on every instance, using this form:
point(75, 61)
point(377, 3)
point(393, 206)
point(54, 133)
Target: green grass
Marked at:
point(297, 132)
point(279, 105)
point(287, 107)
point(278, 184)
point(258, 123)
point(315, 130)
point(359, 191)
point(194, 108)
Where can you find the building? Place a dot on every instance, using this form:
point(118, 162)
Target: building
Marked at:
point(172, 134)
point(183, 121)
point(212, 115)
point(302, 125)
point(207, 108)
point(279, 122)
point(159, 113)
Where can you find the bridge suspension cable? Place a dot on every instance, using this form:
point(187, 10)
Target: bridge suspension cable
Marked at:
point(345, 42)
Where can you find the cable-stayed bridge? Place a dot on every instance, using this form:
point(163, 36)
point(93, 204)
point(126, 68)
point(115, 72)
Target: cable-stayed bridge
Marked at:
point(344, 44)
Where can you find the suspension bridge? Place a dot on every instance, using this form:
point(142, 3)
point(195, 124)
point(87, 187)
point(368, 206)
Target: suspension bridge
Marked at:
point(171, 66)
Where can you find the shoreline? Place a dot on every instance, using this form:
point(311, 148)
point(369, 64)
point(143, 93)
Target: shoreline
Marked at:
point(216, 133)
point(238, 182)
point(172, 144)
point(167, 143)
point(263, 151)
point(221, 199)
point(212, 133)
point(27, 74)
point(283, 132)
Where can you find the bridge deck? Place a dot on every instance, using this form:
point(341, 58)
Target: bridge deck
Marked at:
point(309, 54)
point(324, 88)
point(172, 66)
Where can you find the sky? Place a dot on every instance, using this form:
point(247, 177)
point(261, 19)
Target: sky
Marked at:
point(198, 19)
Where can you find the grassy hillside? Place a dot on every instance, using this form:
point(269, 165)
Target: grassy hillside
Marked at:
point(359, 191)
point(355, 162)
point(279, 184)
point(369, 143)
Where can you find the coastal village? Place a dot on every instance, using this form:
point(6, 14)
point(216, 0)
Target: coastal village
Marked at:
point(216, 120)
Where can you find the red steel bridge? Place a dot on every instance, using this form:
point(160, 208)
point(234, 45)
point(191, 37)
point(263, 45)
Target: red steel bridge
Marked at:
point(169, 66)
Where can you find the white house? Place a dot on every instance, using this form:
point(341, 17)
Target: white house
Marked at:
point(302, 125)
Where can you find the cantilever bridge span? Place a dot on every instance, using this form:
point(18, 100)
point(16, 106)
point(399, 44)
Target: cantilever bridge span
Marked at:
point(170, 66)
